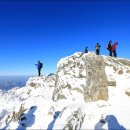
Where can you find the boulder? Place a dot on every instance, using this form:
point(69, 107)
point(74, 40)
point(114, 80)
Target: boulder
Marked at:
point(120, 72)
point(81, 75)
point(111, 81)
point(127, 92)
point(128, 71)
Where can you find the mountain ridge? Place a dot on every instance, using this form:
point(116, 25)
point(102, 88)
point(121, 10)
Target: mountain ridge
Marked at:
point(34, 106)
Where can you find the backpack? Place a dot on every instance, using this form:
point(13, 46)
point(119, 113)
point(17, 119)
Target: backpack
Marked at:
point(41, 65)
point(107, 47)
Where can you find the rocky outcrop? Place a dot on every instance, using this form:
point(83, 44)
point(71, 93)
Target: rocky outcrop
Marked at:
point(72, 118)
point(81, 75)
point(127, 92)
point(128, 71)
point(80, 79)
point(16, 115)
point(35, 82)
point(76, 117)
point(120, 72)
point(111, 81)
point(119, 65)
point(50, 79)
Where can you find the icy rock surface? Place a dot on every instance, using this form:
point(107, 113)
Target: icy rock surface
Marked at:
point(83, 74)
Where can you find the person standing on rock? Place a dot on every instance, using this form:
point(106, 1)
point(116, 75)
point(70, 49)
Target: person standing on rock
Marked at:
point(39, 67)
point(97, 48)
point(86, 49)
point(114, 49)
point(109, 48)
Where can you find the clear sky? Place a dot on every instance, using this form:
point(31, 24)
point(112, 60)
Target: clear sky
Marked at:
point(50, 30)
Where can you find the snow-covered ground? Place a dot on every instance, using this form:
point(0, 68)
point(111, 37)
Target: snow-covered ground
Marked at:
point(33, 107)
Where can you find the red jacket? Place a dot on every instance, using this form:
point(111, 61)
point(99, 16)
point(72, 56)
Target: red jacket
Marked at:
point(114, 46)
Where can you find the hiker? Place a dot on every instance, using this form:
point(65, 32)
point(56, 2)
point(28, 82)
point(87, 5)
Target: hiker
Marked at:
point(39, 67)
point(114, 49)
point(86, 49)
point(109, 47)
point(97, 48)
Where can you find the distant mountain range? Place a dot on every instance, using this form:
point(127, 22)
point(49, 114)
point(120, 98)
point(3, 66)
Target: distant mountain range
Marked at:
point(8, 82)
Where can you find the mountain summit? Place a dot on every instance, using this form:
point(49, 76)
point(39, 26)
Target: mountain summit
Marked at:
point(87, 92)
point(81, 75)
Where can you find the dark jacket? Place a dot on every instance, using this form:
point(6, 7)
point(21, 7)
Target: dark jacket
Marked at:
point(86, 50)
point(109, 47)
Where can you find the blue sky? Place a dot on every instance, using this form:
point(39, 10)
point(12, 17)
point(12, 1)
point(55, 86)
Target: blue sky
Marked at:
point(50, 30)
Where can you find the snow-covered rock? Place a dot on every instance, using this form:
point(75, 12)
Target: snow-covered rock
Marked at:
point(33, 107)
point(81, 75)
point(117, 65)
point(70, 118)
point(111, 81)
point(127, 92)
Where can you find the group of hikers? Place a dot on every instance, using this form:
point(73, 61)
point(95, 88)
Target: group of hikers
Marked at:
point(111, 48)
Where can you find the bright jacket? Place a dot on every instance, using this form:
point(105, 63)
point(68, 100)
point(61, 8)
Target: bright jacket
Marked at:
point(114, 46)
point(38, 65)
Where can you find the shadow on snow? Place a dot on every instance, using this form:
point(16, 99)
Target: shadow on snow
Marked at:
point(51, 125)
point(112, 123)
point(27, 120)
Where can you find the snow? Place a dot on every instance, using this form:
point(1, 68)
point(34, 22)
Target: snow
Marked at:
point(44, 113)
